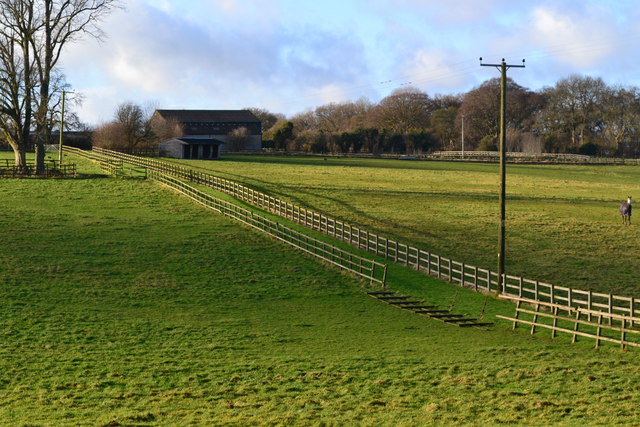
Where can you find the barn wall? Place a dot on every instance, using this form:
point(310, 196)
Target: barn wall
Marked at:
point(170, 149)
point(254, 142)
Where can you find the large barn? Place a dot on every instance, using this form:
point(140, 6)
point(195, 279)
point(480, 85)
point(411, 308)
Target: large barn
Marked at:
point(207, 133)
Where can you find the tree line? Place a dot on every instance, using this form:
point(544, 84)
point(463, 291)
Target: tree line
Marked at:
point(579, 114)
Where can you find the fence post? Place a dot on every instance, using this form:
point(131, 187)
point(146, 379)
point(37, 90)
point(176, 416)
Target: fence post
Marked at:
point(475, 278)
point(575, 327)
point(384, 276)
point(520, 286)
point(555, 322)
point(610, 307)
point(517, 315)
point(535, 320)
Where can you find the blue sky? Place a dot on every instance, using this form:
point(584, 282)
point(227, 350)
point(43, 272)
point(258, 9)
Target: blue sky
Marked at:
point(291, 55)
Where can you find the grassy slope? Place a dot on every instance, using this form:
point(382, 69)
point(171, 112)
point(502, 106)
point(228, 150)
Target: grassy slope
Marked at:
point(122, 303)
point(563, 226)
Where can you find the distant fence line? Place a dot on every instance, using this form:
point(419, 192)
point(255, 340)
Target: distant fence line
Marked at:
point(115, 167)
point(489, 156)
point(369, 269)
point(455, 272)
point(52, 168)
point(514, 155)
point(531, 157)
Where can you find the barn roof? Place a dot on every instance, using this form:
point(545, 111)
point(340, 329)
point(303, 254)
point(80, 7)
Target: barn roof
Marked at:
point(209, 116)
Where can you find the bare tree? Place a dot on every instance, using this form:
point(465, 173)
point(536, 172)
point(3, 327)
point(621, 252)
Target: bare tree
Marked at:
point(482, 106)
point(443, 126)
point(573, 109)
point(266, 117)
point(531, 144)
point(620, 118)
point(59, 23)
point(404, 110)
point(16, 77)
point(33, 34)
point(131, 117)
point(165, 129)
point(132, 128)
point(109, 135)
point(342, 117)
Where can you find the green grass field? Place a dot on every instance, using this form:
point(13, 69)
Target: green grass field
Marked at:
point(124, 304)
point(563, 225)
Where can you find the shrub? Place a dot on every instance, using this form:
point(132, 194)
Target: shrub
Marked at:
point(488, 143)
point(589, 149)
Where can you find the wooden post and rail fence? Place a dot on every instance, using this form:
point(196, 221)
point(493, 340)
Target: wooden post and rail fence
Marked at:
point(575, 321)
point(368, 269)
point(52, 168)
point(456, 272)
point(374, 271)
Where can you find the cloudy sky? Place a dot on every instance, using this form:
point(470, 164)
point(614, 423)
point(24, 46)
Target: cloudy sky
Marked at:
point(291, 55)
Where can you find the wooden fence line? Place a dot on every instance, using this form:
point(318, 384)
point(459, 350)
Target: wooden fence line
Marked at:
point(51, 168)
point(361, 266)
point(456, 272)
point(571, 322)
point(374, 271)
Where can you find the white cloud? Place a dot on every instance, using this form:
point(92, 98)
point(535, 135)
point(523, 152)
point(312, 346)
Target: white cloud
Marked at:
point(154, 54)
point(230, 6)
point(330, 93)
point(436, 72)
point(581, 38)
point(285, 56)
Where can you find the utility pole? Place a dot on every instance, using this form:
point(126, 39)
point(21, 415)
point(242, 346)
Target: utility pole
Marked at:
point(502, 67)
point(463, 136)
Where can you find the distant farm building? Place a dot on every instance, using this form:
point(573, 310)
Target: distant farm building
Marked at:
point(190, 148)
point(204, 134)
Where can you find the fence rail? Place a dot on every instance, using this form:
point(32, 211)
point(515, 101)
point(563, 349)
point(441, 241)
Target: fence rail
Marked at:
point(530, 157)
point(374, 271)
point(366, 268)
point(578, 322)
point(511, 155)
point(456, 272)
point(114, 166)
point(52, 168)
